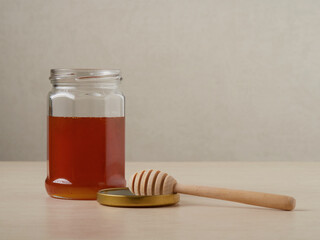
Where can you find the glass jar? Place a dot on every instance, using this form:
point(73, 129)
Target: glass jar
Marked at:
point(86, 133)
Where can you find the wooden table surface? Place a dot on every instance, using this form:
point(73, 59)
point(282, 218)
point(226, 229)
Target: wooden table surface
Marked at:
point(27, 212)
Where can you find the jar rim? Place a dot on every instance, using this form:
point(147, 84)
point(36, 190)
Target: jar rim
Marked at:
point(88, 75)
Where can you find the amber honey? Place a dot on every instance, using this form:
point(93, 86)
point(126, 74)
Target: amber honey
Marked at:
point(85, 154)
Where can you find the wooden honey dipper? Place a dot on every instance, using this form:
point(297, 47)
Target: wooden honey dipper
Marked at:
point(154, 182)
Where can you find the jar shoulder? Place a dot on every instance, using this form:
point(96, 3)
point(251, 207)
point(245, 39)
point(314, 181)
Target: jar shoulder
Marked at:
point(68, 102)
point(84, 93)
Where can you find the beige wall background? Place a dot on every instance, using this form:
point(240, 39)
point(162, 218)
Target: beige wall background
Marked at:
point(205, 80)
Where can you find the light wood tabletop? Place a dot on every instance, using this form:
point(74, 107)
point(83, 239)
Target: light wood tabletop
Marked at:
point(27, 212)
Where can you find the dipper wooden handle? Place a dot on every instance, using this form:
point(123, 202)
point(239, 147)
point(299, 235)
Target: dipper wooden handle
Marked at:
point(154, 182)
point(248, 197)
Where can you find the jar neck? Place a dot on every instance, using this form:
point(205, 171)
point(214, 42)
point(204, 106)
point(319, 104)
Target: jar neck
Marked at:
point(86, 85)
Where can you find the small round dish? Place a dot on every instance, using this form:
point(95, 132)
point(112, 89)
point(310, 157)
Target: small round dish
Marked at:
point(122, 197)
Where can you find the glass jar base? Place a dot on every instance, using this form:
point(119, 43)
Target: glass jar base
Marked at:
point(70, 192)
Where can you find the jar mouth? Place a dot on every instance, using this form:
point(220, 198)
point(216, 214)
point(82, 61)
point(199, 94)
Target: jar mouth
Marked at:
point(84, 75)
